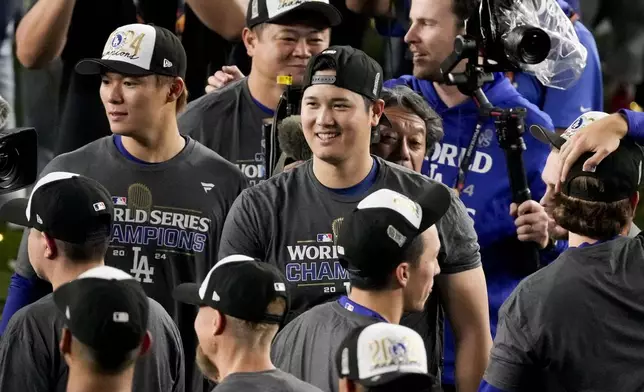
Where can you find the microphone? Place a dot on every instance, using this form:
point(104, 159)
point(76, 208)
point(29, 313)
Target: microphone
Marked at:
point(291, 139)
point(4, 112)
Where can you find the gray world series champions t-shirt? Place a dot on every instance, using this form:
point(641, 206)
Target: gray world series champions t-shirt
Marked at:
point(30, 359)
point(230, 123)
point(268, 381)
point(291, 220)
point(168, 218)
point(307, 346)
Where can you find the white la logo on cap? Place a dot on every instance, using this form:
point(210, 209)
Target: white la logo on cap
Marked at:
point(133, 43)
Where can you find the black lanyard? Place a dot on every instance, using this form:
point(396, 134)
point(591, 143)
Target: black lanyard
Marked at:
point(464, 166)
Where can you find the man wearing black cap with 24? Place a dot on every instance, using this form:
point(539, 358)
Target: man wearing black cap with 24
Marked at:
point(280, 36)
point(242, 303)
point(577, 323)
point(291, 220)
point(104, 314)
point(389, 245)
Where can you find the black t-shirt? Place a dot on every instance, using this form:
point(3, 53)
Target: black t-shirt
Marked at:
point(575, 325)
point(290, 220)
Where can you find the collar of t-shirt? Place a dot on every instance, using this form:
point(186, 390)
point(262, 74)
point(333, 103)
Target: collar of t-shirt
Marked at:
point(363, 185)
point(263, 108)
point(586, 244)
point(351, 306)
point(119, 146)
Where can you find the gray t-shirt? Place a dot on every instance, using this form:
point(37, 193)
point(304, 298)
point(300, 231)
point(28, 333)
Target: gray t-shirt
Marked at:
point(268, 381)
point(229, 122)
point(575, 325)
point(307, 346)
point(30, 359)
point(168, 218)
point(290, 220)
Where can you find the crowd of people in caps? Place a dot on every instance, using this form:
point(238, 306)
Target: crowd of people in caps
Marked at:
point(162, 251)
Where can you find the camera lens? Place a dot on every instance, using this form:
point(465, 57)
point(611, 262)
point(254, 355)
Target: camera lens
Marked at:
point(8, 166)
point(527, 45)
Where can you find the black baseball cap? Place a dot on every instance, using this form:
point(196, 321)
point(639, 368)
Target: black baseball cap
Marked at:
point(239, 286)
point(290, 11)
point(374, 237)
point(620, 173)
point(66, 206)
point(105, 309)
point(355, 71)
point(401, 354)
point(139, 50)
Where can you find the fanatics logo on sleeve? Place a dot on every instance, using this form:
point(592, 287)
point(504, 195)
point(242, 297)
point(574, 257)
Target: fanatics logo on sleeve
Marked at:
point(207, 186)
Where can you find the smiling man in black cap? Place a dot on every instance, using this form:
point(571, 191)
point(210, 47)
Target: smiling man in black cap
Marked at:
point(103, 314)
point(389, 244)
point(280, 36)
point(577, 323)
point(242, 303)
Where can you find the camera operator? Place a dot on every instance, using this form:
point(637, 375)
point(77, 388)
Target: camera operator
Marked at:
point(340, 108)
point(167, 224)
point(484, 186)
point(564, 106)
point(280, 37)
point(576, 324)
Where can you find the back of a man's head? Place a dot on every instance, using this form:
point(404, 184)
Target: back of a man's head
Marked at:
point(257, 334)
point(594, 219)
point(102, 362)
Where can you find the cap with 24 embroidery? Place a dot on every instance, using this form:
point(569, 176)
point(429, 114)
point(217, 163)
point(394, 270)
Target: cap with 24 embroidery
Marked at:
point(139, 50)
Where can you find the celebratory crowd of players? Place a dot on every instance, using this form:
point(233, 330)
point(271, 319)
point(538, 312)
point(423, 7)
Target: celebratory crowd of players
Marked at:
point(177, 264)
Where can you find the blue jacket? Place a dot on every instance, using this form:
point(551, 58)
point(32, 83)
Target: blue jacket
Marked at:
point(564, 106)
point(486, 193)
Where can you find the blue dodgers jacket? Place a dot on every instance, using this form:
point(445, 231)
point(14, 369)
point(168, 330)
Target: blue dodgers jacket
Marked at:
point(486, 193)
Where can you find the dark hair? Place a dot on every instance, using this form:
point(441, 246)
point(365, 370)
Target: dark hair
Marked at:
point(406, 98)
point(326, 64)
point(463, 9)
point(384, 281)
point(105, 362)
point(594, 219)
point(80, 253)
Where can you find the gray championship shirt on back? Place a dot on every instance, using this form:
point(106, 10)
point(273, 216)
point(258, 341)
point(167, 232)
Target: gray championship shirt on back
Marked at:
point(168, 218)
point(268, 381)
point(230, 123)
point(30, 359)
point(291, 220)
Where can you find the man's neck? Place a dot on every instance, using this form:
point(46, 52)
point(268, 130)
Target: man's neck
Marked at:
point(387, 303)
point(450, 95)
point(574, 240)
point(344, 175)
point(243, 359)
point(81, 379)
point(265, 91)
point(156, 146)
point(65, 271)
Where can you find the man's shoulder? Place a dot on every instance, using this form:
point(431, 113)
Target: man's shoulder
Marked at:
point(70, 160)
point(279, 184)
point(33, 317)
point(206, 159)
point(405, 179)
point(220, 98)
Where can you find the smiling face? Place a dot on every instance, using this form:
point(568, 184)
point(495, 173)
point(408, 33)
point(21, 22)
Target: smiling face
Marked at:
point(404, 142)
point(284, 50)
point(336, 122)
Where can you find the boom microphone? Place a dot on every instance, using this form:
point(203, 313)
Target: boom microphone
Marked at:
point(292, 141)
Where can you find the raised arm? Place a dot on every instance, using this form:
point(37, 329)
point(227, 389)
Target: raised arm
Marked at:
point(225, 17)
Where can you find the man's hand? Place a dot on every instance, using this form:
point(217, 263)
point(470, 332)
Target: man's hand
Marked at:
point(531, 222)
point(227, 75)
point(601, 137)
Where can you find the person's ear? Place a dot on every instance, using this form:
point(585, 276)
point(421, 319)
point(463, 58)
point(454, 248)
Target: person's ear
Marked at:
point(146, 343)
point(250, 39)
point(402, 274)
point(176, 89)
point(347, 385)
point(635, 199)
point(219, 323)
point(51, 249)
point(377, 109)
point(65, 345)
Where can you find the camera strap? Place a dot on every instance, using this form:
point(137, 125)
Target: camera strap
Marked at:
point(464, 166)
